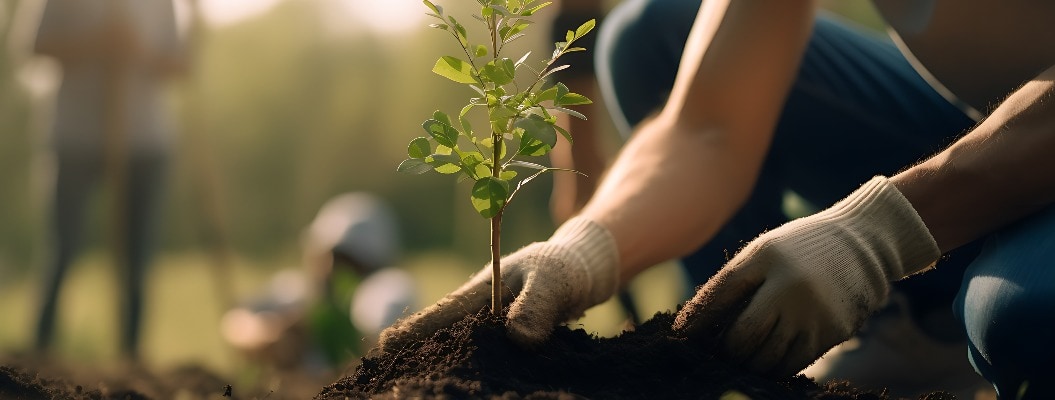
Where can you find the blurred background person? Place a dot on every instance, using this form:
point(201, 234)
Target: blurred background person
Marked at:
point(110, 126)
point(317, 318)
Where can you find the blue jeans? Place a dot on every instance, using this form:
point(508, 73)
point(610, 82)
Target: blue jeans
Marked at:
point(857, 109)
point(1007, 303)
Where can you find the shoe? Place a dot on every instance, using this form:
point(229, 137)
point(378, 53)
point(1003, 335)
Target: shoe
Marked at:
point(891, 352)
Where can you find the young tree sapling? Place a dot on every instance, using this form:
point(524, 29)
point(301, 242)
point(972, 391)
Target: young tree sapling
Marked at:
point(521, 113)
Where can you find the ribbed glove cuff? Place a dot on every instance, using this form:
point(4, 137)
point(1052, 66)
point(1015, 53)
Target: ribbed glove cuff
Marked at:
point(590, 246)
point(898, 238)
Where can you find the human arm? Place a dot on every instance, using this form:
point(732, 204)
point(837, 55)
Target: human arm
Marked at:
point(681, 171)
point(686, 171)
point(798, 290)
point(1000, 171)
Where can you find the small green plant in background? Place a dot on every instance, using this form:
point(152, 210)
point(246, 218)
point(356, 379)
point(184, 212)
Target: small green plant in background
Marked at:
point(520, 102)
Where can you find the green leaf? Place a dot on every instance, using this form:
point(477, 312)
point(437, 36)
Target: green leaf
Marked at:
point(436, 9)
point(501, 114)
point(489, 196)
point(514, 29)
point(508, 175)
point(549, 94)
point(535, 9)
point(455, 69)
point(520, 163)
point(444, 163)
point(500, 10)
point(512, 38)
point(522, 60)
point(561, 90)
point(474, 165)
point(565, 133)
point(571, 112)
point(459, 30)
point(488, 143)
point(419, 148)
point(445, 158)
point(533, 146)
point(444, 133)
point(556, 69)
point(585, 28)
point(527, 180)
point(480, 51)
point(467, 127)
point(508, 66)
point(537, 127)
point(442, 117)
point(572, 99)
point(414, 166)
point(497, 71)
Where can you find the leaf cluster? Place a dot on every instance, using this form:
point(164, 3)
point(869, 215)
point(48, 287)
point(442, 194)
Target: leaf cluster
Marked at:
point(521, 118)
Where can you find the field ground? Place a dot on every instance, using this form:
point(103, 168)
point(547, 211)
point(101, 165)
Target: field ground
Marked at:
point(181, 325)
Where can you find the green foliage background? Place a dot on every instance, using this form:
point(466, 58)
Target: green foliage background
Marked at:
point(289, 115)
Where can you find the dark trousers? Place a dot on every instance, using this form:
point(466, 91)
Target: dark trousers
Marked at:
point(77, 177)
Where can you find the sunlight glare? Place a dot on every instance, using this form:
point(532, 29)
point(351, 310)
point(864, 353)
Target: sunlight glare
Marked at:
point(228, 12)
point(384, 16)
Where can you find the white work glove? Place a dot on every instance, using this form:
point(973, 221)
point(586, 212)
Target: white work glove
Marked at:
point(800, 289)
point(552, 282)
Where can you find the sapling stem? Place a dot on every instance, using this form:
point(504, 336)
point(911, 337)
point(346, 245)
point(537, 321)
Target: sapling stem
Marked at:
point(496, 267)
point(522, 116)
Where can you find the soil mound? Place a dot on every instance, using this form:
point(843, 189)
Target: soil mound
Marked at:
point(475, 359)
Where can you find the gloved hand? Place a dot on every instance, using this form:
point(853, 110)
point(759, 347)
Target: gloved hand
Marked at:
point(800, 289)
point(552, 281)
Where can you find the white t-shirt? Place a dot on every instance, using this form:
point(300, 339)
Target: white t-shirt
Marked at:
point(87, 107)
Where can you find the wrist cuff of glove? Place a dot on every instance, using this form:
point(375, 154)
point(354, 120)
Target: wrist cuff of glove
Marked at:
point(592, 247)
point(896, 232)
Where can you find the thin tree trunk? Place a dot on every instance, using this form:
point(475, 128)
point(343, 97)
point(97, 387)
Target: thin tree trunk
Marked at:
point(496, 267)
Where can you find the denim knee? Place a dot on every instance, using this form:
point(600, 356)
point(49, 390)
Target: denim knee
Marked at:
point(1007, 305)
point(639, 48)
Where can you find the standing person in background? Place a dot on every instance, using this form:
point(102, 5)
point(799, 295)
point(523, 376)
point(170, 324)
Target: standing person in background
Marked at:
point(111, 124)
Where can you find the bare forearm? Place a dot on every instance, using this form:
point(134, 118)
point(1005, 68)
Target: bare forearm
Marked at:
point(999, 172)
point(685, 173)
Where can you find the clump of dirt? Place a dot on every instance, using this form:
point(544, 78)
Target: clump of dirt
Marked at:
point(474, 358)
point(33, 378)
point(16, 383)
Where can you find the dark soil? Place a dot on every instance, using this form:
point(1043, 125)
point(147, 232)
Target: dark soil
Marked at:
point(25, 377)
point(28, 382)
point(475, 359)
